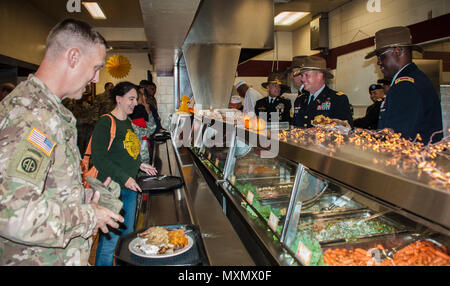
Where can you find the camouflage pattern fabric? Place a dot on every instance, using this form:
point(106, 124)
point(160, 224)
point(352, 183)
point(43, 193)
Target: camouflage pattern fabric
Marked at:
point(44, 218)
point(102, 104)
point(109, 196)
point(145, 132)
point(86, 116)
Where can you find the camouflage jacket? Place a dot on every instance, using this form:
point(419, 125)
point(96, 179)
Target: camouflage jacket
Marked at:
point(43, 217)
point(102, 104)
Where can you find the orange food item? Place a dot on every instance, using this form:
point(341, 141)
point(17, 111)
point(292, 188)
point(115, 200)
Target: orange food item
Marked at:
point(420, 253)
point(259, 170)
point(321, 120)
point(259, 124)
point(177, 238)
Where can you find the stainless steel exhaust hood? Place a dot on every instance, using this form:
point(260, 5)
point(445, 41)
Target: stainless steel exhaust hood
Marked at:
point(211, 69)
point(221, 29)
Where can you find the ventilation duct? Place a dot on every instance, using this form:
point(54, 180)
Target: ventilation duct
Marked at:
point(212, 48)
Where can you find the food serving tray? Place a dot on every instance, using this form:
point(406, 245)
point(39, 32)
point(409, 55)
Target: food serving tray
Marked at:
point(387, 241)
point(195, 255)
point(325, 201)
point(159, 183)
point(338, 228)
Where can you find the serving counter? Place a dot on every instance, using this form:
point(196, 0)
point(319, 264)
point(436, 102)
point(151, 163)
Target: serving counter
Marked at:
point(302, 198)
point(192, 204)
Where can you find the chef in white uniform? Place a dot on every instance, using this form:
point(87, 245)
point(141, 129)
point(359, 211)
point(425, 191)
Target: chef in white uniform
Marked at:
point(249, 94)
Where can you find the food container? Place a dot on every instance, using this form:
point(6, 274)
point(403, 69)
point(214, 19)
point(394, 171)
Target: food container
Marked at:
point(339, 228)
point(325, 201)
point(364, 246)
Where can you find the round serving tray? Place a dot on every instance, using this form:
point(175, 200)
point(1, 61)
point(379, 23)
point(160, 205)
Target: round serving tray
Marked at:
point(159, 183)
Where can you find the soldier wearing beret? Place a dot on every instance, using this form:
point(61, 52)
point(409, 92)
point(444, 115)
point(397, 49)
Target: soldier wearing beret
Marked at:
point(412, 105)
point(370, 120)
point(274, 102)
point(47, 217)
point(319, 99)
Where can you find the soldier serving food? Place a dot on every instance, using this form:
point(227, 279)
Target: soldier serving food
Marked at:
point(411, 105)
point(274, 102)
point(319, 98)
point(46, 217)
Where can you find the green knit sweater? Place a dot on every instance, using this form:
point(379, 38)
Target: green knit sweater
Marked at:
point(122, 160)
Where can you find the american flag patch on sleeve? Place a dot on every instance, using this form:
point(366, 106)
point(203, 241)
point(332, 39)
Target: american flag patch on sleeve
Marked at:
point(42, 141)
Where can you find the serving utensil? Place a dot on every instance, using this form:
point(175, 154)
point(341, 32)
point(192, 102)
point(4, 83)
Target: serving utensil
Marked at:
point(369, 218)
point(381, 255)
point(339, 202)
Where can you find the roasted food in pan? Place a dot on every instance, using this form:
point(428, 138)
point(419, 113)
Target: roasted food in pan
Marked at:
point(419, 253)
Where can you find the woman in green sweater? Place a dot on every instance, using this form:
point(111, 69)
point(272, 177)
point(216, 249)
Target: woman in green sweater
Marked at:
point(121, 162)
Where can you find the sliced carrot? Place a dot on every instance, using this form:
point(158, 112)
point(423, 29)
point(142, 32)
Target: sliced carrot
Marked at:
point(440, 254)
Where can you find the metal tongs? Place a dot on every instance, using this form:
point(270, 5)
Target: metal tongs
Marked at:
point(339, 202)
point(381, 255)
point(158, 178)
point(369, 217)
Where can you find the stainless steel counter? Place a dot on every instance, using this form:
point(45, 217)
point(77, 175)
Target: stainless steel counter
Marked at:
point(194, 203)
point(408, 189)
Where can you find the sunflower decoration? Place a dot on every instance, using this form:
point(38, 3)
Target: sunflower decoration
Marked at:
point(118, 66)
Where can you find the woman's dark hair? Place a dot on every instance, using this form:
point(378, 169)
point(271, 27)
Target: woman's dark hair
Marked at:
point(122, 88)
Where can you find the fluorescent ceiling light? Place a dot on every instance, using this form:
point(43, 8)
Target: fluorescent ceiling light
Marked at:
point(289, 18)
point(95, 10)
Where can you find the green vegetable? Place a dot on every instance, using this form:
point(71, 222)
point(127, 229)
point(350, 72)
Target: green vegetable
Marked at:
point(349, 229)
point(313, 245)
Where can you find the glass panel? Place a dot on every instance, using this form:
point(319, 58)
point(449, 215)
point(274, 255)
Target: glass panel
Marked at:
point(216, 145)
point(341, 227)
point(266, 184)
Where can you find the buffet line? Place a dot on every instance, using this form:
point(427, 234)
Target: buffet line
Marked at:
point(330, 195)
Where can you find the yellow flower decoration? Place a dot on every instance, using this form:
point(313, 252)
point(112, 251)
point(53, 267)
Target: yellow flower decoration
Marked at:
point(118, 66)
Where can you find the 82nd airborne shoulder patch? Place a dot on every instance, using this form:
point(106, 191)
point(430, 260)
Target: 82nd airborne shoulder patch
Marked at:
point(30, 162)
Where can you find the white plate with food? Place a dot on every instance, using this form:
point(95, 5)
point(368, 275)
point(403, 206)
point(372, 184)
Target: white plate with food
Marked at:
point(159, 242)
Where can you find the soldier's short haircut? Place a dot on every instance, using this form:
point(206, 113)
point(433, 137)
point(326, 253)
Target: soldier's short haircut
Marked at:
point(72, 33)
point(108, 83)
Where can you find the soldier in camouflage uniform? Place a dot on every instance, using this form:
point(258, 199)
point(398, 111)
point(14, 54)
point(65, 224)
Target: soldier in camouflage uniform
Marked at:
point(103, 103)
point(46, 218)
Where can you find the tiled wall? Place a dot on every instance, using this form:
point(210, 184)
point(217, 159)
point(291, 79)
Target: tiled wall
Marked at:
point(165, 98)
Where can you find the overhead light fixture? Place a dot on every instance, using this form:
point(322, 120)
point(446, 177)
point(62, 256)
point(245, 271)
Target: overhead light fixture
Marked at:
point(94, 9)
point(288, 18)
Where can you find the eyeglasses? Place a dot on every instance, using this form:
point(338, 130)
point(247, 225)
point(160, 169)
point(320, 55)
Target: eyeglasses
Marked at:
point(380, 58)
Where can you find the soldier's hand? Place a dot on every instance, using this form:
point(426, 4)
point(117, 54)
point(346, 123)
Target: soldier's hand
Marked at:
point(104, 216)
point(107, 182)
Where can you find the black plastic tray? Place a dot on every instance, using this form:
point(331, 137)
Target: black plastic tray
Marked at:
point(150, 183)
point(194, 256)
point(162, 136)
